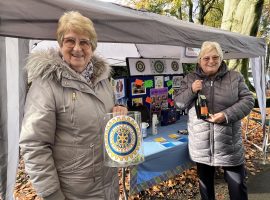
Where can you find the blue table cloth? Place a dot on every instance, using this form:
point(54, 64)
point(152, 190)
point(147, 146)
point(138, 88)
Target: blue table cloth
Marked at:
point(163, 160)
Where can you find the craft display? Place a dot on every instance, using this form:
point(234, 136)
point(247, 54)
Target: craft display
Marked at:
point(175, 66)
point(158, 66)
point(176, 81)
point(140, 66)
point(137, 89)
point(159, 81)
point(154, 66)
point(119, 88)
point(159, 100)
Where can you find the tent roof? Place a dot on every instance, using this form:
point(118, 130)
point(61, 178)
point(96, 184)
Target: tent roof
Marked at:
point(118, 24)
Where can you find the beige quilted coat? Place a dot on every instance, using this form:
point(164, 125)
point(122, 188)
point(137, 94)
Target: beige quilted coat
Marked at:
point(61, 137)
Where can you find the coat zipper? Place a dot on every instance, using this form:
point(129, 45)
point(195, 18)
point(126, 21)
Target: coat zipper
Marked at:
point(211, 125)
point(93, 162)
point(99, 137)
point(73, 106)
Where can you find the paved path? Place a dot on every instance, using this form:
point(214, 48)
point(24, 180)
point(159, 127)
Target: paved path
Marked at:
point(259, 185)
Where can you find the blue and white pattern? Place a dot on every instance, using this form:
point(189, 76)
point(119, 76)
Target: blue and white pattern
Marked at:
point(122, 139)
point(88, 72)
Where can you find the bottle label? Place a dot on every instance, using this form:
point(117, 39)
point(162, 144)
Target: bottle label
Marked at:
point(204, 110)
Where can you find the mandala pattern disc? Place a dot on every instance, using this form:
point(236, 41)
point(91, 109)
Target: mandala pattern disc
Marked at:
point(140, 66)
point(175, 66)
point(159, 66)
point(122, 139)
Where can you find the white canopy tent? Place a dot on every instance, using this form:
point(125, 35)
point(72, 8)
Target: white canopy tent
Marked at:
point(116, 53)
point(117, 24)
point(140, 33)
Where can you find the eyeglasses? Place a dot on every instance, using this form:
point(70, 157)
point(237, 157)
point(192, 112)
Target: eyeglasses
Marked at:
point(71, 42)
point(207, 58)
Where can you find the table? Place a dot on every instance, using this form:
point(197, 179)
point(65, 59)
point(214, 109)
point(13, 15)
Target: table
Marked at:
point(162, 160)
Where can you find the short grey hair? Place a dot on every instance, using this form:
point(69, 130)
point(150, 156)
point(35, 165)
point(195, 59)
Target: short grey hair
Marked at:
point(75, 21)
point(208, 46)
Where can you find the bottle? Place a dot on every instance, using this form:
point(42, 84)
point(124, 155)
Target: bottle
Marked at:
point(203, 107)
point(154, 124)
point(144, 126)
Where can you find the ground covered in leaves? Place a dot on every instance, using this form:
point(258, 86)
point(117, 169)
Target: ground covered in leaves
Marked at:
point(184, 186)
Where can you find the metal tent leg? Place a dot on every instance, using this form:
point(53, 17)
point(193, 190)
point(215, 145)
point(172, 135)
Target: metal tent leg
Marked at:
point(124, 182)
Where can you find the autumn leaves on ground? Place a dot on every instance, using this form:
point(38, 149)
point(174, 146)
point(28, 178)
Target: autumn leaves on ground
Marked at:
point(184, 185)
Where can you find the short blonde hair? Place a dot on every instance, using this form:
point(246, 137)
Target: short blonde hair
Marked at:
point(209, 46)
point(75, 21)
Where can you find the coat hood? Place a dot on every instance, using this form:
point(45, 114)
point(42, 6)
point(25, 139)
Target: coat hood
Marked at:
point(48, 64)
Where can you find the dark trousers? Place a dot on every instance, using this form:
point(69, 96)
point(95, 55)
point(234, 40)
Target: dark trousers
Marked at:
point(234, 176)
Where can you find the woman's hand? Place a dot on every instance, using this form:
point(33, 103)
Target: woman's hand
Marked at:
point(122, 110)
point(217, 118)
point(196, 86)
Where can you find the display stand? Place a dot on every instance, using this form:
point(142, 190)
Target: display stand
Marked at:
point(124, 182)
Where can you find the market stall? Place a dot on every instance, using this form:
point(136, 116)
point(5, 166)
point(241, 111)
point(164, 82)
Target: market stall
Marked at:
point(152, 36)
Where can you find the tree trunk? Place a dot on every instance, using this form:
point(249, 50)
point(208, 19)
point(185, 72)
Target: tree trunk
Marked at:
point(180, 13)
point(201, 12)
point(205, 7)
point(267, 57)
point(242, 16)
point(190, 10)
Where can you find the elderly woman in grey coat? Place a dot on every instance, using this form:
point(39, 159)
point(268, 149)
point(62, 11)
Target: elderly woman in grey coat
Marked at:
point(61, 138)
point(217, 141)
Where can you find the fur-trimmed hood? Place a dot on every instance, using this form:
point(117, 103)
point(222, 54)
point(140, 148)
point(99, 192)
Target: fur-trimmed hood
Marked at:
point(48, 64)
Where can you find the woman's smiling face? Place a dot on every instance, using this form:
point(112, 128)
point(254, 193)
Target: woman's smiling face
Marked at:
point(76, 50)
point(210, 62)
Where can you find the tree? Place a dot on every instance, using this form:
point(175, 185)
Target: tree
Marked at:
point(242, 16)
point(204, 7)
point(209, 11)
point(190, 11)
point(164, 7)
point(181, 9)
point(214, 16)
point(264, 29)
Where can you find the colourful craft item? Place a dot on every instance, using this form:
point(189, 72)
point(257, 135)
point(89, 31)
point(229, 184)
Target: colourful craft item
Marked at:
point(171, 91)
point(166, 78)
point(148, 83)
point(122, 139)
point(174, 136)
point(169, 83)
point(160, 139)
point(167, 144)
point(148, 100)
point(138, 82)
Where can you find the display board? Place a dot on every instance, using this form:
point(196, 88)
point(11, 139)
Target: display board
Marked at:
point(154, 92)
point(154, 66)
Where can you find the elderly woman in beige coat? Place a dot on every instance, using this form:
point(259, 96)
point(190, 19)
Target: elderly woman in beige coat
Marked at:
point(61, 137)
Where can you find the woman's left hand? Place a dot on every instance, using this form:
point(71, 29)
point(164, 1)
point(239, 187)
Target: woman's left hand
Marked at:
point(122, 110)
point(217, 118)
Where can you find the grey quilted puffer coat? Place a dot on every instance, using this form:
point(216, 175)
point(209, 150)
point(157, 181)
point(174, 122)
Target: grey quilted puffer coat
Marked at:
point(217, 144)
point(61, 139)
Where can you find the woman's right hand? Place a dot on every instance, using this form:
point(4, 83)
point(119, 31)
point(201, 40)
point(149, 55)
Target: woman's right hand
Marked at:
point(196, 86)
point(122, 110)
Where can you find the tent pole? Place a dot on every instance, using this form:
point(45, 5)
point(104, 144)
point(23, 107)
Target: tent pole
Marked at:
point(124, 182)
